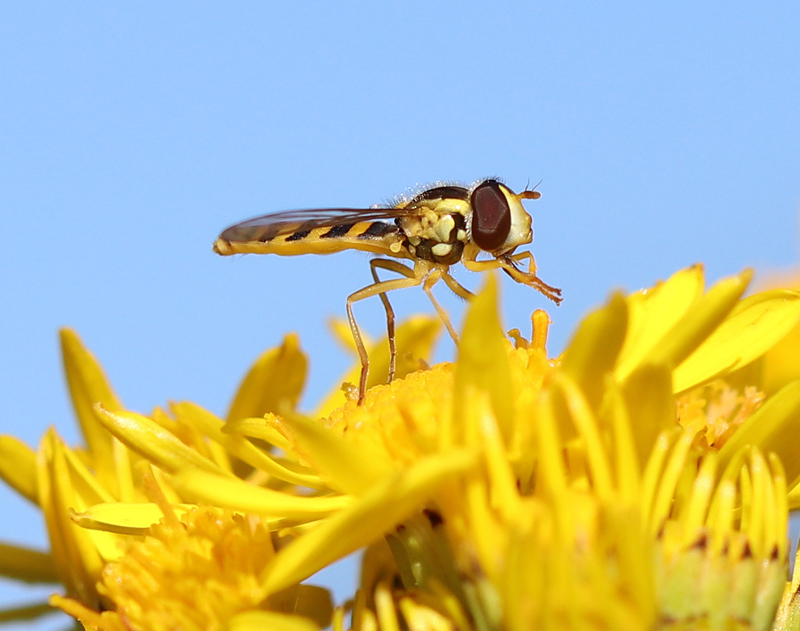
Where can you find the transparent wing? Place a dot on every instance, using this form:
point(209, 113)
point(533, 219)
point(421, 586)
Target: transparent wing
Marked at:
point(268, 227)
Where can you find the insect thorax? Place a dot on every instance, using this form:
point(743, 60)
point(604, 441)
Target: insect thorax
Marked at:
point(434, 237)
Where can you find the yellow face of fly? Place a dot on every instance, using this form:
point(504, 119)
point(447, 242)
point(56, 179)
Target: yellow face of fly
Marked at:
point(435, 229)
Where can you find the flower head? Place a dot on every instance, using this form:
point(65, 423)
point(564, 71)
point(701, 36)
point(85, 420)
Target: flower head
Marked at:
point(636, 481)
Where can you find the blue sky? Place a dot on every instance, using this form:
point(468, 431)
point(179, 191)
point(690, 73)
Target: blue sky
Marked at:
point(130, 135)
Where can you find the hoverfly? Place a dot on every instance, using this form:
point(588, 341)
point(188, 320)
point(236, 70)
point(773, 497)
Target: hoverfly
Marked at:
point(435, 229)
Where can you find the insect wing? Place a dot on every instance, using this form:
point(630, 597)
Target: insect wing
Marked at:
point(268, 227)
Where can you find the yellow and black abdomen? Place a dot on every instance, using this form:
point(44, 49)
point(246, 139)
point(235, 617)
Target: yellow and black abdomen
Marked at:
point(295, 238)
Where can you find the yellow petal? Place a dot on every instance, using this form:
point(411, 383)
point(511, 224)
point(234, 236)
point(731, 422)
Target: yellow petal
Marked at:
point(755, 325)
point(387, 613)
point(77, 560)
point(207, 488)
point(502, 481)
point(551, 469)
point(85, 485)
point(209, 425)
point(257, 428)
point(700, 321)
point(18, 467)
point(348, 466)
point(615, 415)
point(154, 442)
point(310, 601)
point(29, 612)
point(377, 512)
point(78, 488)
point(483, 368)
point(415, 339)
point(260, 620)
point(275, 381)
point(88, 385)
point(422, 616)
point(650, 404)
point(778, 518)
point(124, 518)
point(594, 348)
point(653, 312)
point(780, 365)
point(24, 564)
point(793, 498)
point(582, 417)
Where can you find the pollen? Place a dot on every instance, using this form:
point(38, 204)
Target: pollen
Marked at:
point(715, 411)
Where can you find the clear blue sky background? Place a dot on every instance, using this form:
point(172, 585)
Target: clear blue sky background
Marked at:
point(663, 135)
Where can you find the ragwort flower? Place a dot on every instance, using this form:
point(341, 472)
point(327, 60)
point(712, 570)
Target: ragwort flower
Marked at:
point(638, 481)
point(113, 517)
point(582, 503)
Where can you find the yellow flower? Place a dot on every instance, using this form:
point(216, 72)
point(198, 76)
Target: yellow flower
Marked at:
point(638, 481)
point(98, 505)
point(199, 572)
point(566, 493)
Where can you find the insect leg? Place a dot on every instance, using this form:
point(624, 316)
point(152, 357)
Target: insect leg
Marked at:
point(521, 256)
point(399, 268)
point(430, 281)
point(483, 266)
point(532, 279)
point(457, 288)
point(372, 290)
point(525, 278)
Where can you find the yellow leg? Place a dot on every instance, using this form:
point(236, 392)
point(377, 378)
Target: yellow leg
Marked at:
point(398, 268)
point(521, 256)
point(526, 278)
point(430, 281)
point(483, 266)
point(549, 291)
point(372, 290)
point(457, 288)
point(532, 279)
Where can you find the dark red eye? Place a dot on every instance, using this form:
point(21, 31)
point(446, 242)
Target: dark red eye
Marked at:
point(491, 216)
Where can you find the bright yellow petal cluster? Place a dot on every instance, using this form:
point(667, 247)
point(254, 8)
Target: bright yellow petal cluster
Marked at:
point(641, 480)
point(199, 572)
point(106, 503)
point(583, 497)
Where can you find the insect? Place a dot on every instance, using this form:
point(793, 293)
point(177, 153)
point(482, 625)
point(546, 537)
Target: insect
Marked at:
point(435, 229)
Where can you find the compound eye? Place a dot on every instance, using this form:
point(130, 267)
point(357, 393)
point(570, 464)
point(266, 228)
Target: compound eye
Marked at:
point(491, 216)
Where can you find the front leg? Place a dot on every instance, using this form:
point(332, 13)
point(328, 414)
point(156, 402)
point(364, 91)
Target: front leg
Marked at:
point(530, 278)
point(509, 265)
